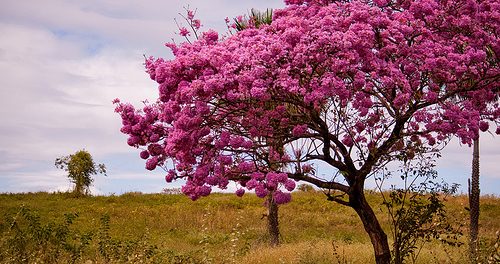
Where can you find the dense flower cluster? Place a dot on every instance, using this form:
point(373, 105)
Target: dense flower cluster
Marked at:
point(353, 83)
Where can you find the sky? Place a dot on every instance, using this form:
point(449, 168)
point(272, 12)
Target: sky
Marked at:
point(62, 62)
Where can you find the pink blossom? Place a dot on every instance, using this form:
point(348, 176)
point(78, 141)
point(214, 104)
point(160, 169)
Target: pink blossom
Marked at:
point(483, 126)
point(225, 159)
point(347, 140)
point(154, 138)
point(155, 149)
point(184, 31)
point(133, 140)
point(211, 37)
point(431, 140)
point(281, 197)
point(295, 2)
point(261, 191)
point(299, 130)
point(212, 180)
point(203, 190)
point(251, 184)
point(290, 185)
point(170, 176)
point(190, 14)
point(367, 102)
point(276, 177)
point(240, 192)
point(196, 23)
point(151, 163)
point(272, 185)
point(236, 141)
point(401, 100)
point(306, 168)
point(360, 126)
point(223, 182)
point(144, 154)
point(259, 176)
point(246, 166)
point(247, 144)
point(337, 73)
point(431, 96)
point(381, 2)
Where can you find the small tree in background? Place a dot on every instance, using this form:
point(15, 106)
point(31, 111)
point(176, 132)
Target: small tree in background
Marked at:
point(80, 167)
point(254, 20)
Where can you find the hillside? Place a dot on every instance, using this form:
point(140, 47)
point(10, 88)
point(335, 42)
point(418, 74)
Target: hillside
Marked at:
point(221, 228)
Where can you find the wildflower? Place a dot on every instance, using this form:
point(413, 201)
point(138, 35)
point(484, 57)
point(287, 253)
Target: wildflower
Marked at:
point(184, 32)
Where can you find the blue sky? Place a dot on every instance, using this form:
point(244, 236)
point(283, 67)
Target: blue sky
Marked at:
point(63, 62)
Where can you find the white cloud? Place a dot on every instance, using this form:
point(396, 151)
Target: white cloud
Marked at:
point(459, 157)
point(34, 181)
point(55, 102)
point(142, 25)
point(62, 63)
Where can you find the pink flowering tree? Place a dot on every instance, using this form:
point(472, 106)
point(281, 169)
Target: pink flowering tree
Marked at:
point(352, 85)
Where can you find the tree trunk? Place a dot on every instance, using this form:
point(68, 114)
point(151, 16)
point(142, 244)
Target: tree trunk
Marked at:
point(474, 193)
point(78, 188)
point(370, 222)
point(272, 221)
point(397, 250)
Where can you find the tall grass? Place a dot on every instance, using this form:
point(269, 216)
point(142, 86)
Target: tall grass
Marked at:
point(223, 228)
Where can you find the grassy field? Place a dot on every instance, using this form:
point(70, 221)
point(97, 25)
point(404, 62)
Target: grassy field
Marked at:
point(221, 228)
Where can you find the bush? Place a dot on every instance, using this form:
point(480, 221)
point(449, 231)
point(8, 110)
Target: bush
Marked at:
point(28, 239)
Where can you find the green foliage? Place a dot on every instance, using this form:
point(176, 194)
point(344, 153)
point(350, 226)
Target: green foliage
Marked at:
point(114, 250)
point(172, 226)
point(417, 212)
point(254, 19)
point(80, 167)
point(27, 239)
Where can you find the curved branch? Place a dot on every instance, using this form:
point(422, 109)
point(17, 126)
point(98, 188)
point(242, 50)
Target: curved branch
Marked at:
point(319, 183)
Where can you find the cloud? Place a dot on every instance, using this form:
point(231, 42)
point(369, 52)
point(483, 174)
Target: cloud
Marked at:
point(456, 164)
point(459, 157)
point(56, 99)
point(35, 181)
point(142, 26)
point(47, 104)
point(62, 64)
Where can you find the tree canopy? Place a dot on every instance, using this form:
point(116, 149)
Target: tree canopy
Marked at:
point(363, 81)
point(350, 84)
point(80, 167)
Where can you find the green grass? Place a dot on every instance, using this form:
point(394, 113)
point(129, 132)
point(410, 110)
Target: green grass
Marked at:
point(223, 228)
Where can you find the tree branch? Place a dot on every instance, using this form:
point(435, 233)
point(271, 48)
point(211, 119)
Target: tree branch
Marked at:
point(319, 183)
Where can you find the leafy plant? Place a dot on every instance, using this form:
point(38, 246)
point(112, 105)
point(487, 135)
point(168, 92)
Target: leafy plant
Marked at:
point(129, 251)
point(416, 211)
point(28, 239)
point(80, 167)
point(254, 19)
